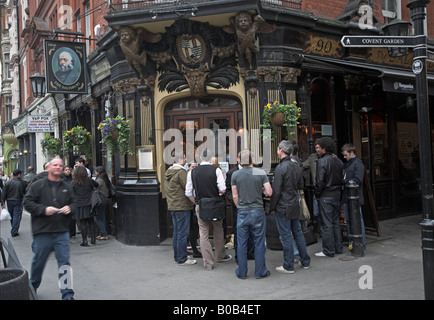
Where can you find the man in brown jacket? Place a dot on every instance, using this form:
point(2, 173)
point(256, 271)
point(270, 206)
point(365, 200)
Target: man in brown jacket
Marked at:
point(179, 206)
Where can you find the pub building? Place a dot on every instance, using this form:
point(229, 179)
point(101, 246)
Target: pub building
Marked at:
point(214, 65)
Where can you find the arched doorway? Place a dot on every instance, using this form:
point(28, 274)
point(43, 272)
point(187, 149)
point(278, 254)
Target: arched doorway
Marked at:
point(213, 113)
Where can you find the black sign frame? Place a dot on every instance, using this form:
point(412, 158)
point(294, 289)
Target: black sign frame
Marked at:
point(65, 67)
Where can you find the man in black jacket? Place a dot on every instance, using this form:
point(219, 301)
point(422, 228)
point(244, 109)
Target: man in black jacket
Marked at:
point(51, 201)
point(285, 201)
point(353, 170)
point(13, 193)
point(328, 187)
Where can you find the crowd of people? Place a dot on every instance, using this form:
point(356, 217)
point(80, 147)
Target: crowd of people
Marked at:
point(59, 202)
point(245, 186)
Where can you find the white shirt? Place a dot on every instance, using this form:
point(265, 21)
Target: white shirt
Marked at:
point(220, 181)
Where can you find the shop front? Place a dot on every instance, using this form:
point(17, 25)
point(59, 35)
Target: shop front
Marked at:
point(183, 72)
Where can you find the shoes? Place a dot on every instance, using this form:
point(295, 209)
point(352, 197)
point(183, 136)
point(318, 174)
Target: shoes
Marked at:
point(264, 276)
point(322, 254)
point(15, 235)
point(187, 262)
point(70, 298)
point(197, 255)
point(209, 268)
point(84, 244)
point(281, 269)
point(101, 238)
point(301, 265)
point(228, 257)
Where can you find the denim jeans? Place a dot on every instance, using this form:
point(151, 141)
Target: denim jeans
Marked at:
point(15, 208)
point(43, 244)
point(181, 229)
point(290, 230)
point(251, 222)
point(348, 224)
point(329, 211)
point(250, 243)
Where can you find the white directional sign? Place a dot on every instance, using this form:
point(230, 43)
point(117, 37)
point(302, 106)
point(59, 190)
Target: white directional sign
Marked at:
point(378, 41)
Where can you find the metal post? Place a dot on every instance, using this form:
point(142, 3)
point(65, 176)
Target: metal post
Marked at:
point(426, 181)
point(355, 222)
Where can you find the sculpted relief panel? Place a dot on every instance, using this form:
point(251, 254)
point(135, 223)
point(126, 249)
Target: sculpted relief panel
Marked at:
point(194, 55)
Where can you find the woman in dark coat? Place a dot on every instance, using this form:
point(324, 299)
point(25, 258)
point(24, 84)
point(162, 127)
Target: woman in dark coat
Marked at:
point(104, 185)
point(83, 187)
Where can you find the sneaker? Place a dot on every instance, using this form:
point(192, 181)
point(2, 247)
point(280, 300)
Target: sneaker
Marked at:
point(226, 258)
point(188, 262)
point(281, 269)
point(301, 265)
point(320, 254)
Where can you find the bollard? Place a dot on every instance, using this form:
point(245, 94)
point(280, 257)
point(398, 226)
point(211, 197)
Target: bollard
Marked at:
point(354, 217)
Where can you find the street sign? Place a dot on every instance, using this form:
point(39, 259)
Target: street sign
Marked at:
point(378, 41)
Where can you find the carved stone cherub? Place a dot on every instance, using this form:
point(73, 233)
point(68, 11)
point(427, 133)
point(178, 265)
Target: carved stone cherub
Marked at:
point(131, 42)
point(246, 30)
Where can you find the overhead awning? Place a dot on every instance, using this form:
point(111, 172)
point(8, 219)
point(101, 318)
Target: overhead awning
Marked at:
point(393, 79)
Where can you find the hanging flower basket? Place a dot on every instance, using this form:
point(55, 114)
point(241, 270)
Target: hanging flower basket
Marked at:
point(280, 115)
point(80, 138)
point(115, 133)
point(277, 119)
point(51, 146)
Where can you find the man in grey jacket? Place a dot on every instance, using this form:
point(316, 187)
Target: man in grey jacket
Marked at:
point(51, 201)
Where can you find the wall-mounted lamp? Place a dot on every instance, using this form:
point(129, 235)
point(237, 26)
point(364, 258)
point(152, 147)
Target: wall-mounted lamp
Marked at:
point(194, 11)
point(154, 15)
point(37, 81)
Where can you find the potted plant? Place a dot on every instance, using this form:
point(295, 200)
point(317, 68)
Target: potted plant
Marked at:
point(280, 115)
point(115, 134)
point(81, 138)
point(51, 146)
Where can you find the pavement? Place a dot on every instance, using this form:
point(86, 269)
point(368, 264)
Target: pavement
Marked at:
point(391, 269)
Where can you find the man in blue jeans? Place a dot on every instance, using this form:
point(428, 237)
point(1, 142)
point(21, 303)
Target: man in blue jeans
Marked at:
point(328, 187)
point(248, 184)
point(179, 207)
point(13, 193)
point(50, 201)
point(285, 201)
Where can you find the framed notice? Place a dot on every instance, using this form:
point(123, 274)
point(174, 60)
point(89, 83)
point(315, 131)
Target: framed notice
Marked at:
point(65, 66)
point(145, 158)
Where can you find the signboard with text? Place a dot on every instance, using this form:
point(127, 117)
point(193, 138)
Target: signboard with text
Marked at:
point(40, 124)
point(378, 41)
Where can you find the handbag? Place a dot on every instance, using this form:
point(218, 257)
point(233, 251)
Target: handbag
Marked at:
point(212, 209)
point(96, 200)
point(304, 210)
point(112, 191)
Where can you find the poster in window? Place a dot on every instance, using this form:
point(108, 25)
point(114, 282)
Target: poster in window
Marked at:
point(65, 67)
